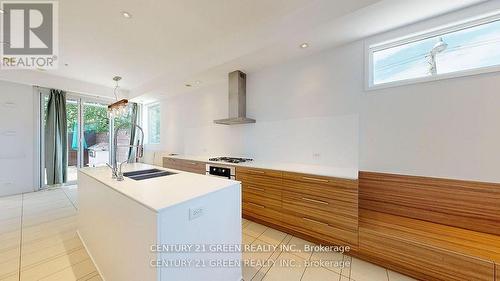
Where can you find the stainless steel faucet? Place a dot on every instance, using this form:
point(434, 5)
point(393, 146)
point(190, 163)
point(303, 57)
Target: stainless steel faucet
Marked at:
point(117, 169)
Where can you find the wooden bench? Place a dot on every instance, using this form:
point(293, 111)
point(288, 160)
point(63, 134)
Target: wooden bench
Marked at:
point(426, 250)
point(431, 229)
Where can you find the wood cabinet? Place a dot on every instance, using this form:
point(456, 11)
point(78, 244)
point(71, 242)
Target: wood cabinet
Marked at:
point(184, 165)
point(261, 193)
point(322, 208)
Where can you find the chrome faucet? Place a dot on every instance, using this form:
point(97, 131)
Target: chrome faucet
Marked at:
point(117, 169)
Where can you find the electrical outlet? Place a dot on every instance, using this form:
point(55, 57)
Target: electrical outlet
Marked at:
point(195, 213)
point(316, 155)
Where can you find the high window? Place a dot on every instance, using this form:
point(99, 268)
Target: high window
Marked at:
point(459, 50)
point(153, 125)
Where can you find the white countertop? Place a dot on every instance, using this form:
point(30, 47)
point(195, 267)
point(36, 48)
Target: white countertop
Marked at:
point(162, 192)
point(320, 170)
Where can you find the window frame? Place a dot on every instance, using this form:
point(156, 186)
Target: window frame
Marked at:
point(371, 48)
point(148, 123)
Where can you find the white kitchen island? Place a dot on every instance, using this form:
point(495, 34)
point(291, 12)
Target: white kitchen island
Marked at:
point(181, 227)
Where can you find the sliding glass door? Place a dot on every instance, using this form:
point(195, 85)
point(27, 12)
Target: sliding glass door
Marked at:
point(88, 132)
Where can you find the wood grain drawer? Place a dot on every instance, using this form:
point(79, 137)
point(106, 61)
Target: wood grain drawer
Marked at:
point(261, 172)
point(185, 165)
point(421, 260)
point(336, 213)
point(263, 180)
point(263, 191)
point(263, 200)
point(319, 229)
point(194, 167)
point(261, 207)
point(323, 180)
point(262, 185)
point(337, 192)
point(261, 213)
point(171, 163)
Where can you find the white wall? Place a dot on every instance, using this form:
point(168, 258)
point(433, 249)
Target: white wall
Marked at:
point(318, 105)
point(447, 128)
point(17, 138)
point(306, 113)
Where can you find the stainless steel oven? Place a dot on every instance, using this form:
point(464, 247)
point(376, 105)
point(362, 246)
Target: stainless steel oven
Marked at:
point(222, 171)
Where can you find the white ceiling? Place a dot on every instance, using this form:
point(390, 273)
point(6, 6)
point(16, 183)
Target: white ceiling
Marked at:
point(167, 43)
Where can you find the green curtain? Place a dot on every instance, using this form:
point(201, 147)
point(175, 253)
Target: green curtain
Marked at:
point(134, 118)
point(56, 139)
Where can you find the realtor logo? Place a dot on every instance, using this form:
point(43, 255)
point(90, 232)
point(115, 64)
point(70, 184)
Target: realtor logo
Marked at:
point(29, 35)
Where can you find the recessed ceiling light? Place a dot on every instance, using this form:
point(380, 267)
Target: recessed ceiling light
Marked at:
point(304, 45)
point(126, 15)
point(197, 82)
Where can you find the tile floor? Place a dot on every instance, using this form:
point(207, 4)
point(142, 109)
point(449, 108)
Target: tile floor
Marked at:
point(290, 263)
point(38, 241)
point(38, 238)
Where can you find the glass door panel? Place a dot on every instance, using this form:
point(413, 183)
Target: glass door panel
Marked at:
point(44, 105)
point(123, 138)
point(72, 123)
point(95, 141)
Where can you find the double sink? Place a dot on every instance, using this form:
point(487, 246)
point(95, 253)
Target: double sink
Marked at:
point(147, 174)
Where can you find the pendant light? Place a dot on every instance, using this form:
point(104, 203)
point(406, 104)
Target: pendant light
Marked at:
point(120, 107)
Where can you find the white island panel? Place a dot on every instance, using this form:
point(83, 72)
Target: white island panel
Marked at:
point(119, 222)
point(116, 231)
point(211, 237)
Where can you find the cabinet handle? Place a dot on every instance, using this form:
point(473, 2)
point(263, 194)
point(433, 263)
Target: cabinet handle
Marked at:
point(257, 205)
point(315, 201)
point(256, 172)
point(315, 221)
point(256, 188)
point(193, 163)
point(314, 179)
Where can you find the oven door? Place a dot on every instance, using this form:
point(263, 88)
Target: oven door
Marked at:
point(220, 171)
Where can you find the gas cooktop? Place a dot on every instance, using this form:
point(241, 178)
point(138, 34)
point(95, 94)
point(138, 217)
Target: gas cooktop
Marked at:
point(230, 159)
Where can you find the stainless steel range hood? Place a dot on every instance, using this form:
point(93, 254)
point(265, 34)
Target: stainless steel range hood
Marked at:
point(237, 100)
